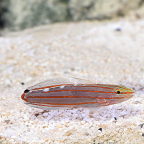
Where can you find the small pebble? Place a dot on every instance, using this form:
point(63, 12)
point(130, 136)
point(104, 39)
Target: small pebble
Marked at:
point(118, 29)
point(141, 125)
point(100, 129)
point(7, 121)
point(22, 83)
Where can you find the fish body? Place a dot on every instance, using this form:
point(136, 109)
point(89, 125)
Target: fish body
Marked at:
point(62, 93)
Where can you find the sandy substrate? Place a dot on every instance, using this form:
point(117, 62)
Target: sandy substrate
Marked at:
point(87, 50)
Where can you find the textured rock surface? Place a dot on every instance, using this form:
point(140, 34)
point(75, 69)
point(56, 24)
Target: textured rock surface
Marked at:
point(101, 9)
point(23, 14)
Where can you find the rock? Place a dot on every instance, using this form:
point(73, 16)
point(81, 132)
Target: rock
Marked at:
point(18, 14)
point(101, 9)
point(3, 10)
point(24, 14)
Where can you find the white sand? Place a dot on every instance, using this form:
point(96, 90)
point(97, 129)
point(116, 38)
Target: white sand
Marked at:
point(86, 50)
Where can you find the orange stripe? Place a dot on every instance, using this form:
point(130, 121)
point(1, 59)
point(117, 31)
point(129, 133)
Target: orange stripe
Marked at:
point(78, 90)
point(71, 104)
point(74, 97)
point(127, 92)
point(111, 98)
point(95, 86)
point(60, 97)
point(72, 85)
point(24, 98)
point(89, 91)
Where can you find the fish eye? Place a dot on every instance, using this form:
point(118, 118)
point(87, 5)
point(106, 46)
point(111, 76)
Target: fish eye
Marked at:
point(26, 91)
point(118, 92)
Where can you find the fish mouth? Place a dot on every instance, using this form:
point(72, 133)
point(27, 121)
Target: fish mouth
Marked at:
point(131, 92)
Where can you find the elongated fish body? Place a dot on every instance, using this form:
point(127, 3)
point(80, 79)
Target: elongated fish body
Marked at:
point(62, 93)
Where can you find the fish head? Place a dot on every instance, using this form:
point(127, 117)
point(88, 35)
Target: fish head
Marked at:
point(122, 93)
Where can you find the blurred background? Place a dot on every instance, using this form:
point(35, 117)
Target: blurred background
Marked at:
point(18, 14)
